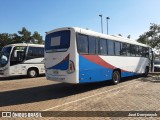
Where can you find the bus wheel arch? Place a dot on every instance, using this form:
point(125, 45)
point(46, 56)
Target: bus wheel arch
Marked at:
point(32, 72)
point(116, 76)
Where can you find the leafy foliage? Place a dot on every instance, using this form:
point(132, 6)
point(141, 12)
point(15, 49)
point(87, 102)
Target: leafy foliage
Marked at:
point(152, 37)
point(23, 36)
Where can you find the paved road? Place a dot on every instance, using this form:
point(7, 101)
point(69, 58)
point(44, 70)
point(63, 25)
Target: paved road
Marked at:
point(39, 94)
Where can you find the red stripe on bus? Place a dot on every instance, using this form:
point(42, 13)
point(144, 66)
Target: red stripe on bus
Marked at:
point(96, 59)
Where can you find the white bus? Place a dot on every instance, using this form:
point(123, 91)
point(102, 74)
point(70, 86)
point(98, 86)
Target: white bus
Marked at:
point(22, 59)
point(76, 55)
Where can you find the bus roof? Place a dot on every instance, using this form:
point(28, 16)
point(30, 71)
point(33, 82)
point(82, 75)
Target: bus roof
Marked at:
point(26, 44)
point(100, 35)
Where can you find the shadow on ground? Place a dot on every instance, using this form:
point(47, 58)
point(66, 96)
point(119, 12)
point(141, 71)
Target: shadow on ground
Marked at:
point(47, 92)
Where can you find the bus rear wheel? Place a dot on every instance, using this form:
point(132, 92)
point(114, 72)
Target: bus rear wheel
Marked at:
point(32, 73)
point(116, 77)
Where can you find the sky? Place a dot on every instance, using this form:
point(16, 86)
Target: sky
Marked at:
point(127, 17)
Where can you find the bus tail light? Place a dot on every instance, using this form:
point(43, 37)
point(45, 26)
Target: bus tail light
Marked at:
point(71, 67)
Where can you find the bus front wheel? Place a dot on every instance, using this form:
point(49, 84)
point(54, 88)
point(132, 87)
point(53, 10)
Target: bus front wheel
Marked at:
point(32, 73)
point(116, 77)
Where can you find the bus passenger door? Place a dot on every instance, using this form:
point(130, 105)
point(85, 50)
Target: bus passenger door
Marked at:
point(16, 63)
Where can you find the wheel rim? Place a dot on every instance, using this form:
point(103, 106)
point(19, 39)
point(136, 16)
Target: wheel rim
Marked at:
point(33, 73)
point(116, 77)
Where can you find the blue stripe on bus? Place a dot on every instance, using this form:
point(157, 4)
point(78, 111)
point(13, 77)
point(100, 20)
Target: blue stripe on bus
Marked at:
point(92, 72)
point(61, 66)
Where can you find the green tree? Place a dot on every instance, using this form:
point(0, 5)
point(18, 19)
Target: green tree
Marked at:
point(151, 37)
point(37, 38)
point(16, 38)
point(25, 35)
point(5, 39)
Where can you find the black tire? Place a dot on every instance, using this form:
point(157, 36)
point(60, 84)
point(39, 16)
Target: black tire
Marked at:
point(116, 77)
point(32, 73)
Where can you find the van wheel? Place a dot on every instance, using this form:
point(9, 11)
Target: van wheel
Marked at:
point(32, 73)
point(116, 77)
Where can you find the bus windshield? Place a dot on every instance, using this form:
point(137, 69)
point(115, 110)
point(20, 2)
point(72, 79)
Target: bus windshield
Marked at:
point(57, 41)
point(4, 57)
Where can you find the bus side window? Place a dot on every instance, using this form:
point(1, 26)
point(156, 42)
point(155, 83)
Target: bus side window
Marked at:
point(82, 44)
point(133, 50)
point(41, 52)
point(92, 45)
point(123, 49)
point(103, 47)
point(143, 52)
point(97, 46)
point(117, 48)
point(35, 52)
point(140, 51)
point(137, 50)
point(110, 47)
point(128, 50)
